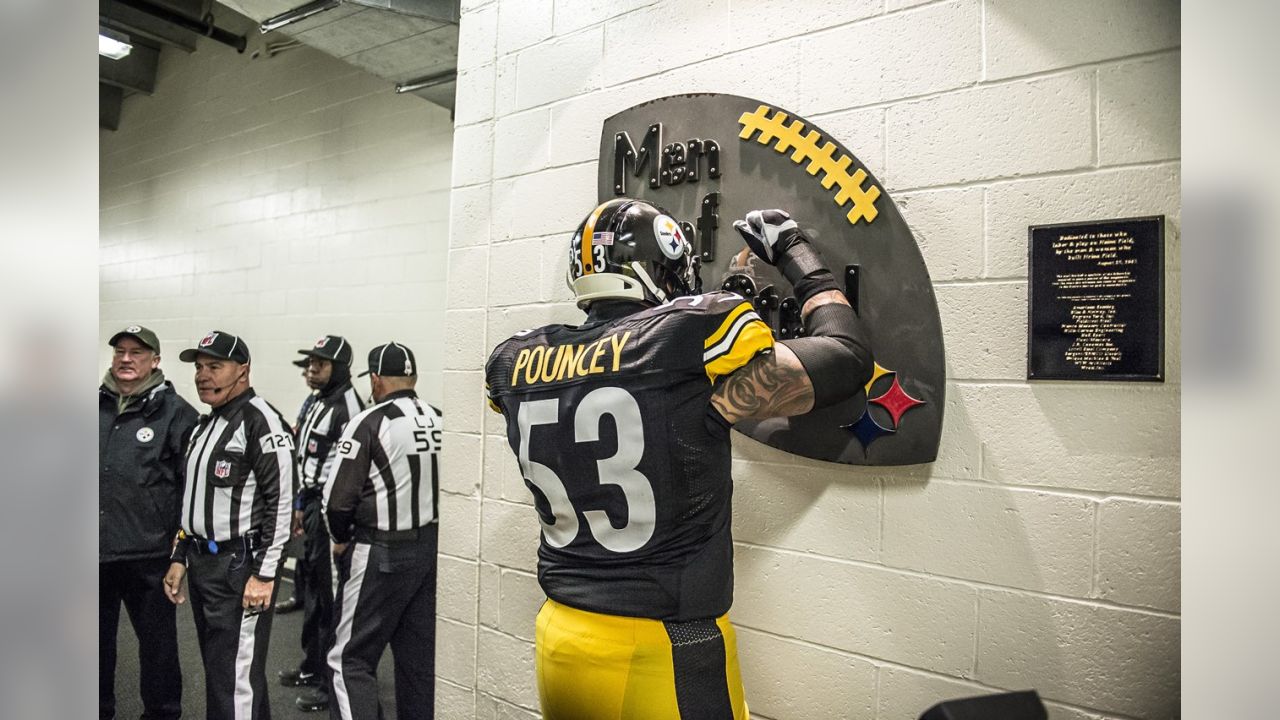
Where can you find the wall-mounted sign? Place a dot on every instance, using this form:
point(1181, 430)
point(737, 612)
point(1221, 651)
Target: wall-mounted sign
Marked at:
point(1096, 300)
point(709, 159)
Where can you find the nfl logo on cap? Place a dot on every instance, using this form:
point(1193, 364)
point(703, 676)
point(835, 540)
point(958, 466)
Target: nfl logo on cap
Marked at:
point(208, 339)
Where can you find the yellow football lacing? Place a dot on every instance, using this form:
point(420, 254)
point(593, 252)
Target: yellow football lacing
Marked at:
point(835, 171)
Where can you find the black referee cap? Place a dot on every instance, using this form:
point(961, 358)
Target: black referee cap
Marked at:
point(218, 344)
point(330, 347)
point(391, 360)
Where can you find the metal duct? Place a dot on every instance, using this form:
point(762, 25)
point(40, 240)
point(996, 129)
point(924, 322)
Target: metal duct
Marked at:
point(401, 41)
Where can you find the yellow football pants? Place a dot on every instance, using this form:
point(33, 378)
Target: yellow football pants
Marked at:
point(608, 667)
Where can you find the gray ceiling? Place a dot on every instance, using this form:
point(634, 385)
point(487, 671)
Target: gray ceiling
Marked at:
point(402, 41)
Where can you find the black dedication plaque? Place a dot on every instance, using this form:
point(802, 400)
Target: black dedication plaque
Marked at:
point(1096, 301)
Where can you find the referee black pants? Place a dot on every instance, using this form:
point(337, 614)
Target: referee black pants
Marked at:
point(315, 589)
point(137, 584)
point(388, 596)
point(233, 645)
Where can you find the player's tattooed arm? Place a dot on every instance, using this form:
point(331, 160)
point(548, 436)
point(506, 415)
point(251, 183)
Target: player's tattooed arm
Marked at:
point(771, 385)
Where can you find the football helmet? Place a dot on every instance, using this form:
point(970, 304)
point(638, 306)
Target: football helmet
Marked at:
point(630, 250)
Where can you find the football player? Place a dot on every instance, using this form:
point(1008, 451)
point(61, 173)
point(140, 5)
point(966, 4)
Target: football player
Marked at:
point(621, 427)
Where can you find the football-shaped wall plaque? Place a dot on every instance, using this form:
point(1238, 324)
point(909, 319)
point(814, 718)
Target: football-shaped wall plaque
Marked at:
point(709, 159)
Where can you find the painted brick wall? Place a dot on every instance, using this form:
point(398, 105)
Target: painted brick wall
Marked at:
point(281, 199)
point(1042, 548)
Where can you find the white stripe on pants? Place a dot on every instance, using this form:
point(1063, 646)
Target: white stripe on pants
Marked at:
point(244, 660)
point(350, 598)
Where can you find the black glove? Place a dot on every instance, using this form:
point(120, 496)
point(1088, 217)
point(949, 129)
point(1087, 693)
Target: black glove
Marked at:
point(775, 238)
point(769, 233)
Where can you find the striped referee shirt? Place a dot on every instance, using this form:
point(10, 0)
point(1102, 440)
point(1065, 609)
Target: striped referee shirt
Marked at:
point(319, 432)
point(387, 471)
point(240, 478)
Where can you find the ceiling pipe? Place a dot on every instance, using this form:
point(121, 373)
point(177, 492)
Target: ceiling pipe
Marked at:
point(426, 82)
point(301, 12)
point(207, 29)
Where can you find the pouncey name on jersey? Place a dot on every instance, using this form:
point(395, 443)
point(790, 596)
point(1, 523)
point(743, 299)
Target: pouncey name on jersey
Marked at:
point(627, 460)
point(551, 363)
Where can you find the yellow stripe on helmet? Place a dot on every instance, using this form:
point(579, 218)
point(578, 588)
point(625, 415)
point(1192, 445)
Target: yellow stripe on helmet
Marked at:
point(589, 231)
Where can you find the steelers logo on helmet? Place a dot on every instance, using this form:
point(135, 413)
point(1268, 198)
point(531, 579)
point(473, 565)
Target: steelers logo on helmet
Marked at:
point(670, 238)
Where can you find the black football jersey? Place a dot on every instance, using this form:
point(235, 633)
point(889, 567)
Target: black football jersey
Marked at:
point(627, 460)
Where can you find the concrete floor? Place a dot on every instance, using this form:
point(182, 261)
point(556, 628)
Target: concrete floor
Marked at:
point(284, 653)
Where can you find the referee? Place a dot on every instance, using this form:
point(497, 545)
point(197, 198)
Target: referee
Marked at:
point(291, 603)
point(235, 518)
point(381, 502)
point(336, 402)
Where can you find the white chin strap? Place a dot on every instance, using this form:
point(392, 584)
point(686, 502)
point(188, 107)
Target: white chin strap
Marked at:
point(615, 286)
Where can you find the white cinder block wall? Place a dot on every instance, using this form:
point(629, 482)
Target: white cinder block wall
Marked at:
point(1041, 550)
point(281, 199)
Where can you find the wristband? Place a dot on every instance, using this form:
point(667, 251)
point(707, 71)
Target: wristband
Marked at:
point(803, 267)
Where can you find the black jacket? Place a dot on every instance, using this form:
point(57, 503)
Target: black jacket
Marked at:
point(140, 472)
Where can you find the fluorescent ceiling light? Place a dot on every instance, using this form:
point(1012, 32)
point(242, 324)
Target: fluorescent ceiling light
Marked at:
point(299, 13)
point(112, 44)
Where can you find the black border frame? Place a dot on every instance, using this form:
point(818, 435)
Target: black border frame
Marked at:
point(1159, 375)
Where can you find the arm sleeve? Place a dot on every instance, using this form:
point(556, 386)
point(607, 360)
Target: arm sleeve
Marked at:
point(180, 547)
point(836, 355)
point(495, 380)
point(493, 404)
point(346, 481)
point(276, 475)
point(184, 422)
point(733, 335)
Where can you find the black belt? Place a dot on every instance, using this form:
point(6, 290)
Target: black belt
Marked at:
point(374, 535)
point(308, 493)
point(204, 546)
